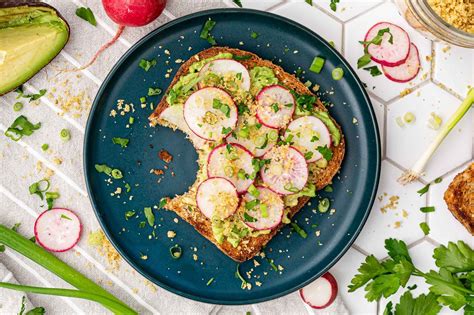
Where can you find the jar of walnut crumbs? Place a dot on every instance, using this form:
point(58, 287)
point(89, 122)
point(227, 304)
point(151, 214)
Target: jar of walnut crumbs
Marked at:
point(450, 21)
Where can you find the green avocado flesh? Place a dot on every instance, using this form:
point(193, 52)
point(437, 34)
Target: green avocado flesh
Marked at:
point(30, 37)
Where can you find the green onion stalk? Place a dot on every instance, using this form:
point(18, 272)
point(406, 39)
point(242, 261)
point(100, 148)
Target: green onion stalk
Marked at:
point(86, 288)
point(417, 170)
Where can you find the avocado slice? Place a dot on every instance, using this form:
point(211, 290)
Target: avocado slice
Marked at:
point(31, 35)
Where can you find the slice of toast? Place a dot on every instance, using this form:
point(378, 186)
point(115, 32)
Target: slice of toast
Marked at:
point(185, 205)
point(460, 198)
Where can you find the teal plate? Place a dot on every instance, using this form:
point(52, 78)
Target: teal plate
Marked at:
point(301, 260)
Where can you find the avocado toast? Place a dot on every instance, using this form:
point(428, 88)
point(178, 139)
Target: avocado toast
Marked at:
point(265, 145)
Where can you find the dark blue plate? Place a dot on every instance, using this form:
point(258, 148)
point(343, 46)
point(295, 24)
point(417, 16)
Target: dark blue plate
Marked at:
point(302, 260)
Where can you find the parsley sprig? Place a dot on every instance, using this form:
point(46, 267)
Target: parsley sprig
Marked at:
point(452, 285)
point(377, 40)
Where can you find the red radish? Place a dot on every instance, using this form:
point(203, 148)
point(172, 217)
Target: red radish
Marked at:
point(210, 113)
point(275, 106)
point(57, 230)
point(287, 172)
point(251, 139)
point(174, 116)
point(223, 67)
point(389, 54)
point(217, 197)
point(227, 160)
point(128, 13)
point(307, 133)
point(268, 213)
point(320, 293)
point(407, 71)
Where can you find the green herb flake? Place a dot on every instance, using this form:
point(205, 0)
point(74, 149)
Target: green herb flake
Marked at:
point(325, 152)
point(162, 203)
point(427, 209)
point(45, 147)
point(17, 106)
point(65, 217)
point(438, 180)
point(317, 64)
point(254, 35)
point(212, 279)
point(308, 155)
point(272, 264)
point(149, 216)
point(123, 142)
point(299, 230)
point(176, 251)
point(87, 15)
point(310, 2)
point(129, 214)
point(237, 2)
point(39, 188)
point(328, 188)
point(374, 71)
point(205, 31)
point(363, 61)
point(65, 134)
point(226, 130)
point(20, 127)
point(147, 64)
point(423, 190)
point(425, 228)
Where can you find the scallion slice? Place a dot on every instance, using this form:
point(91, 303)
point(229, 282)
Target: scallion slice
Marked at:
point(317, 64)
point(176, 251)
point(323, 205)
point(337, 74)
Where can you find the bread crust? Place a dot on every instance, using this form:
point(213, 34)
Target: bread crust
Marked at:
point(249, 246)
point(460, 198)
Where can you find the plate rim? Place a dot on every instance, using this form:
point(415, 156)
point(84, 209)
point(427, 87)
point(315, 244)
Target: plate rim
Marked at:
point(373, 121)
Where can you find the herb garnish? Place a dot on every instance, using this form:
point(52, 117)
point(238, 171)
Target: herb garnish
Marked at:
point(254, 35)
point(87, 15)
point(377, 40)
point(325, 152)
point(147, 64)
point(39, 187)
point(32, 97)
point(249, 218)
point(176, 251)
point(123, 142)
point(374, 71)
point(241, 57)
point(317, 64)
point(217, 104)
point(206, 28)
point(154, 91)
point(237, 2)
point(304, 102)
point(21, 127)
point(427, 209)
point(150, 217)
point(275, 107)
point(239, 276)
point(299, 230)
point(112, 172)
point(308, 155)
point(226, 130)
point(425, 228)
point(333, 5)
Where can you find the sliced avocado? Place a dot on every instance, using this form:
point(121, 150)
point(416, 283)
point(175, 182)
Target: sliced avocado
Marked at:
point(31, 35)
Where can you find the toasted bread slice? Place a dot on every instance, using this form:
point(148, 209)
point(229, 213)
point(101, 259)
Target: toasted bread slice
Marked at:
point(460, 198)
point(185, 205)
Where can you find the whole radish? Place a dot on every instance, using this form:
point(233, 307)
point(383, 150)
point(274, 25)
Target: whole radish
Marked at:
point(132, 13)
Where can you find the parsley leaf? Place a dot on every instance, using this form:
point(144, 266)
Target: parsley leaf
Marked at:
point(374, 71)
point(87, 15)
point(397, 249)
point(384, 285)
point(451, 291)
point(368, 270)
point(423, 304)
point(325, 152)
point(147, 64)
point(457, 257)
point(123, 142)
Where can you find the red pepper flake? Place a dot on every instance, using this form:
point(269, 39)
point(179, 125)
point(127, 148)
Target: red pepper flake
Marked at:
point(165, 156)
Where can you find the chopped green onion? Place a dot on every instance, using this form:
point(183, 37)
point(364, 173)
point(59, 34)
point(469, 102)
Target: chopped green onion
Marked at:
point(131, 120)
point(147, 64)
point(363, 61)
point(289, 187)
point(438, 180)
point(272, 264)
point(328, 188)
point(50, 197)
point(308, 155)
point(239, 276)
point(249, 218)
point(244, 57)
point(238, 2)
point(127, 187)
point(249, 205)
point(435, 121)
point(317, 64)
point(425, 228)
point(253, 191)
point(209, 282)
point(226, 130)
point(241, 174)
point(399, 122)
point(37, 189)
point(337, 74)
point(409, 117)
point(299, 230)
point(273, 135)
point(17, 106)
point(275, 107)
point(150, 217)
point(116, 174)
point(427, 209)
point(261, 141)
point(65, 134)
point(323, 205)
point(264, 210)
point(20, 127)
point(423, 190)
point(162, 203)
point(310, 2)
point(154, 91)
point(129, 214)
point(176, 251)
point(45, 147)
point(206, 28)
point(123, 142)
point(374, 71)
point(325, 152)
point(143, 99)
point(254, 35)
point(228, 171)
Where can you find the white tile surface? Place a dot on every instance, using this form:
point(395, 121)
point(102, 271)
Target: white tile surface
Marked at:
point(406, 144)
point(19, 162)
point(400, 220)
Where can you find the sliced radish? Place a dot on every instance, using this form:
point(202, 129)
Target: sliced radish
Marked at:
point(275, 106)
point(287, 171)
point(210, 113)
point(407, 70)
point(268, 213)
point(320, 293)
point(57, 230)
point(217, 196)
point(389, 54)
point(307, 133)
point(174, 115)
point(233, 162)
point(227, 67)
point(255, 137)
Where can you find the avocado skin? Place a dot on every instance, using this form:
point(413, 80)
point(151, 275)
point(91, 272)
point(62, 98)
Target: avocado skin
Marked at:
point(30, 4)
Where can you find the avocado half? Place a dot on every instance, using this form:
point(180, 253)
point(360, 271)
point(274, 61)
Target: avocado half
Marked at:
point(31, 35)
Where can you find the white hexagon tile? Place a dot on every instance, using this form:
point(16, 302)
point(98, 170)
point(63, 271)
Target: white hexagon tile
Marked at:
point(395, 213)
point(406, 143)
point(347, 9)
point(355, 30)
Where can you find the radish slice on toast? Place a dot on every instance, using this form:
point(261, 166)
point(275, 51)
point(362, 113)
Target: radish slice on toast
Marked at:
point(267, 213)
point(232, 162)
point(255, 137)
point(407, 70)
point(57, 230)
point(210, 113)
point(174, 115)
point(287, 171)
point(320, 293)
point(307, 133)
point(217, 197)
point(227, 68)
point(275, 106)
point(389, 54)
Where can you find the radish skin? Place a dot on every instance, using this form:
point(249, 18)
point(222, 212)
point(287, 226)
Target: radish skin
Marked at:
point(408, 70)
point(321, 293)
point(388, 54)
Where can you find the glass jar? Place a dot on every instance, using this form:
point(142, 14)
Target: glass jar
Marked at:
point(421, 17)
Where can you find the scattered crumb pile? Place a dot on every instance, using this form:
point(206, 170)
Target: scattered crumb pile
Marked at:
point(99, 241)
point(458, 13)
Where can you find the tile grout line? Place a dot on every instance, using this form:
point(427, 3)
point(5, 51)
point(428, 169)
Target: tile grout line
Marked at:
point(42, 280)
point(256, 310)
point(8, 277)
point(49, 164)
point(81, 251)
point(168, 14)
